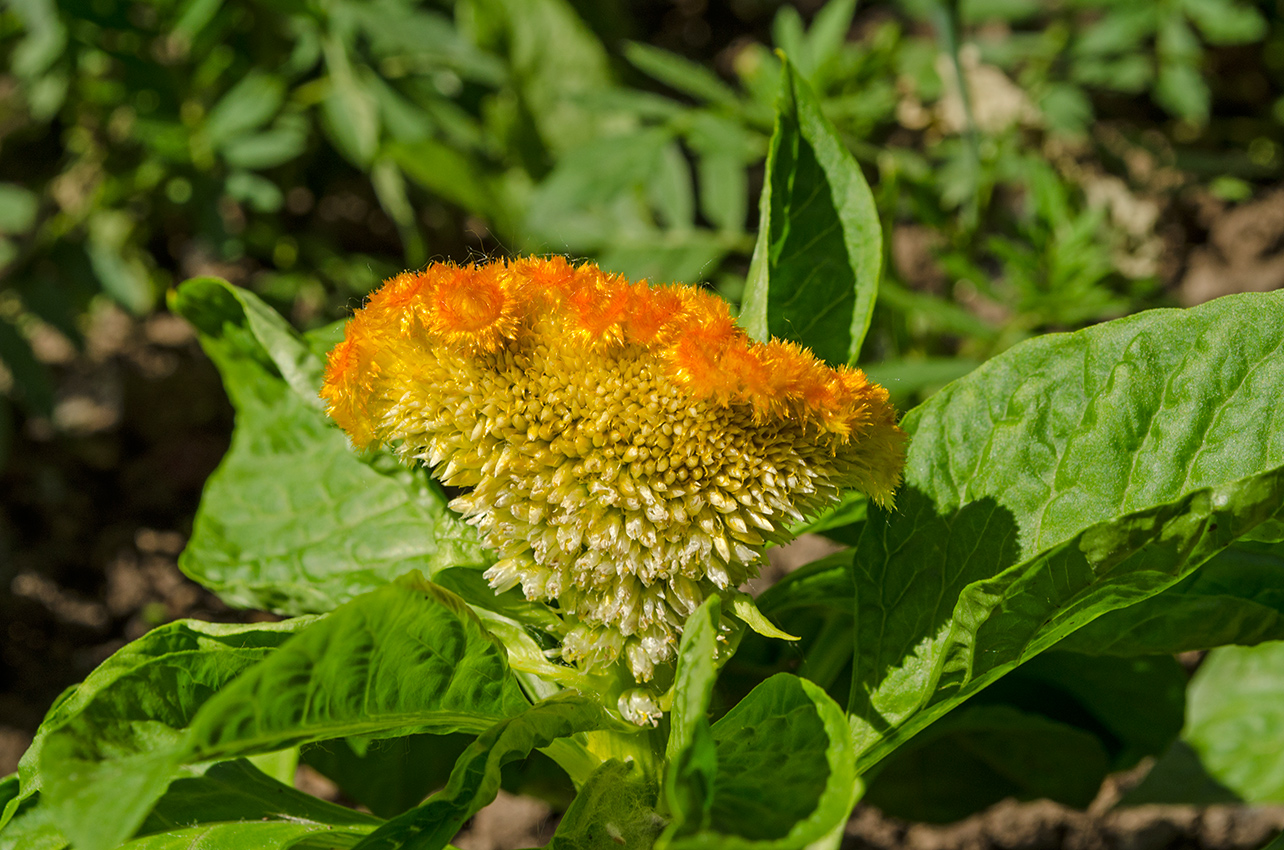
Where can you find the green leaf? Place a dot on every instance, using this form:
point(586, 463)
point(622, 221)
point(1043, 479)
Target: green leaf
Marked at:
point(406, 658)
point(1066, 108)
point(1179, 777)
point(31, 378)
point(747, 612)
point(1121, 30)
point(1235, 719)
point(445, 171)
point(815, 269)
point(391, 775)
point(110, 737)
point(32, 829)
point(690, 756)
point(555, 61)
point(828, 33)
point(670, 189)
point(1180, 89)
point(684, 257)
point(1069, 476)
point(18, 207)
point(398, 30)
point(293, 520)
point(724, 191)
point(566, 205)
point(980, 755)
point(1136, 706)
point(680, 74)
point(239, 319)
point(238, 791)
point(45, 41)
point(1226, 22)
point(615, 808)
point(116, 264)
point(248, 105)
point(349, 109)
point(268, 149)
point(261, 194)
point(472, 586)
point(786, 776)
point(826, 582)
point(476, 777)
point(261, 835)
point(1236, 598)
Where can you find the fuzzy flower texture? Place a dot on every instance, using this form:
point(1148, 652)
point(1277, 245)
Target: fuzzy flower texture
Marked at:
point(626, 449)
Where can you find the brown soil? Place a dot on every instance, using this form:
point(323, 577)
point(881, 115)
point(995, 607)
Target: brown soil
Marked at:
point(1245, 250)
point(98, 503)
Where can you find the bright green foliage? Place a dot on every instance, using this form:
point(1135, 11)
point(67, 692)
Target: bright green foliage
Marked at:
point(1069, 476)
point(433, 667)
point(265, 536)
point(407, 658)
point(200, 656)
point(1235, 721)
point(815, 269)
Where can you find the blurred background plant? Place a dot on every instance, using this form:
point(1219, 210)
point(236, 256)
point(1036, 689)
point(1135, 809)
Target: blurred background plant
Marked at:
point(309, 149)
point(1037, 166)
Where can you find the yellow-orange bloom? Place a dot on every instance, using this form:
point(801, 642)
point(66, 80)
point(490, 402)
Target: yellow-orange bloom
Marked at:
point(629, 449)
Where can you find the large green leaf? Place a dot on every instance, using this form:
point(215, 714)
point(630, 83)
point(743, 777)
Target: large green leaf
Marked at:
point(1236, 598)
point(406, 658)
point(409, 657)
point(149, 689)
point(476, 777)
point(786, 775)
point(1072, 475)
point(293, 520)
point(983, 754)
point(1235, 719)
point(814, 275)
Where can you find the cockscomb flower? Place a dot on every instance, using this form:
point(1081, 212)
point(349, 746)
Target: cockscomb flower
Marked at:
point(626, 449)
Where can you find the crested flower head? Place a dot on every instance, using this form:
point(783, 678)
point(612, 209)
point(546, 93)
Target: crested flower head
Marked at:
point(626, 449)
